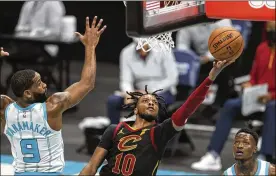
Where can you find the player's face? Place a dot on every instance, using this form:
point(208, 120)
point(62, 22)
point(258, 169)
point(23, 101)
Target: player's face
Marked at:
point(147, 107)
point(38, 91)
point(244, 146)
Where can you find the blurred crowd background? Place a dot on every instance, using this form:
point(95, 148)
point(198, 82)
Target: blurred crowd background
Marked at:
point(39, 35)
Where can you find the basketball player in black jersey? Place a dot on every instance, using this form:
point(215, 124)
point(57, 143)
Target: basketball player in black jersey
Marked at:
point(136, 148)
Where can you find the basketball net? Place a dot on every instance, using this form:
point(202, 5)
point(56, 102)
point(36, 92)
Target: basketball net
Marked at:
point(159, 43)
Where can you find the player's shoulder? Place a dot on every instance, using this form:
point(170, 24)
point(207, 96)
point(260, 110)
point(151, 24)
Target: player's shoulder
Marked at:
point(230, 170)
point(272, 169)
point(56, 104)
point(57, 98)
point(112, 130)
point(5, 101)
point(166, 121)
point(112, 127)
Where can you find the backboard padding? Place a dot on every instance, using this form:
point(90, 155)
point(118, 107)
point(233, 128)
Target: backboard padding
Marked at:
point(138, 24)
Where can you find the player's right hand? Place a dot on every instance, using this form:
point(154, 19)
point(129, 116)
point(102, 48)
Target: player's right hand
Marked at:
point(218, 66)
point(92, 33)
point(3, 53)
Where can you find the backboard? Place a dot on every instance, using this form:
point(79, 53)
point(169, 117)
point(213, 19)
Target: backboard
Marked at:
point(146, 18)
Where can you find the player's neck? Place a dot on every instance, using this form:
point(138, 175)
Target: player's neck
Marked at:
point(22, 103)
point(141, 123)
point(248, 167)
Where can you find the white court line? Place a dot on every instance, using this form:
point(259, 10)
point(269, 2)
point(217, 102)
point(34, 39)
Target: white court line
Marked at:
point(7, 169)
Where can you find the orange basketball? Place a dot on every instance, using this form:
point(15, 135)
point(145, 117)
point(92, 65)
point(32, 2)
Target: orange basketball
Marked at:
point(226, 43)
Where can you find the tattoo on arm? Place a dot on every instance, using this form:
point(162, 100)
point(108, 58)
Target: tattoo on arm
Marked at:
point(59, 101)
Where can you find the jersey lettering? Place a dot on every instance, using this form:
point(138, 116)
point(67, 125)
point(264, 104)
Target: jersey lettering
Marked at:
point(27, 126)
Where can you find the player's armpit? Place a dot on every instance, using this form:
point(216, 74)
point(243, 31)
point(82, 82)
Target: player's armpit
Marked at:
point(95, 161)
point(272, 170)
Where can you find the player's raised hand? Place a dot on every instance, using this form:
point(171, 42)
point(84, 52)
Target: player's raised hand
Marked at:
point(92, 32)
point(218, 66)
point(3, 53)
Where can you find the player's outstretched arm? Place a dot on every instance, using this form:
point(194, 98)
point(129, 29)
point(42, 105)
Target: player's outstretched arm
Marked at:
point(95, 161)
point(4, 102)
point(181, 116)
point(76, 92)
point(272, 170)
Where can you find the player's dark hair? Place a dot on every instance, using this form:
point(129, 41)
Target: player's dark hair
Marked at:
point(135, 97)
point(21, 81)
point(251, 132)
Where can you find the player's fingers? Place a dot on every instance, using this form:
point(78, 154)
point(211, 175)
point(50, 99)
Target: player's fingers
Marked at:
point(230, 62)
point(87, 25)
point(222, 63)
point(94, 21)
point(99, 24)
point(102, 30)
point(218, 63)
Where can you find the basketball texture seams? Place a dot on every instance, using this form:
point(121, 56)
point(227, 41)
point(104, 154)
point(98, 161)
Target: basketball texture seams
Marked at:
point(211, 39)
point(225, 43)
point(236, 54)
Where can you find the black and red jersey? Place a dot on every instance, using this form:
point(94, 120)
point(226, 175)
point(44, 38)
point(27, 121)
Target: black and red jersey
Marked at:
point(135, 151)
point(138, 152)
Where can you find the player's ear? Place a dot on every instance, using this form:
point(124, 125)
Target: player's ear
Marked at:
point(255, 150)
point(135, 111)
point(27, 94)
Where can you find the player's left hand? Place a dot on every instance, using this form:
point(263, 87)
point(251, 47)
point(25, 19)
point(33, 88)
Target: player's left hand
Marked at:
point(92, 33)
point(3, 53)
point(264, 99)
point(218, 66)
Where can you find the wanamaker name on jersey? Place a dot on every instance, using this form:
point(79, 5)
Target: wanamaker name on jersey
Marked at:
point(22, 126)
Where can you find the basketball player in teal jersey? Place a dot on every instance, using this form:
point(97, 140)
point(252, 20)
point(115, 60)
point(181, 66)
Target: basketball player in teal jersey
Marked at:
point(244, 149)
point(33, 122)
